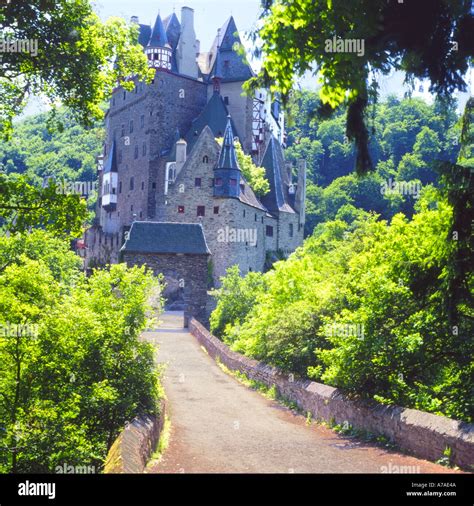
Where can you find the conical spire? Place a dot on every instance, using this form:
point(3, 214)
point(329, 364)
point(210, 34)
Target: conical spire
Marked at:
point(158, 35)
point(228, 157)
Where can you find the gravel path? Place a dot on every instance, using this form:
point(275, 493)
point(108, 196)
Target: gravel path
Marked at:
point(220, 426)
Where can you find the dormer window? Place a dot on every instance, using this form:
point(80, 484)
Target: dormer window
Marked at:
point(218, 181)
point(233, 182)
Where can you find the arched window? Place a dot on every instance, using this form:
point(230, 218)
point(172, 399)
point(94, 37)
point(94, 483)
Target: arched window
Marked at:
point(205, 159)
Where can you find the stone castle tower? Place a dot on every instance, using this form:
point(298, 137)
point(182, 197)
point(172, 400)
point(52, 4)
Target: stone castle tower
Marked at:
point(162, 164)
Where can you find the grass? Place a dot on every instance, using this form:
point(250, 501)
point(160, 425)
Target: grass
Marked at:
point(163, 443)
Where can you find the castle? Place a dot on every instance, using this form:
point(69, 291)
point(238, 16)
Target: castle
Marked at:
point(162, 165)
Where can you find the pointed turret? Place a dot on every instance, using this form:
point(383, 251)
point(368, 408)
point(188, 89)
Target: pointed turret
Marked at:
point(227, 171)
point(274, 163)
point(158, 49)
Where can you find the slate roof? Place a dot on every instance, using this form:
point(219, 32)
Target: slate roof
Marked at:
point(173, 32)
point(230, 65)
point(166, 238)
point(214, 115)
point(158, 35)
point(247, 196)
point(144, 35)
point(227, 156)
point(274, 164)
point(111, 163)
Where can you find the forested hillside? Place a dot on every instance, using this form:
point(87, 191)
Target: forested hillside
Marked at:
point(408, 135)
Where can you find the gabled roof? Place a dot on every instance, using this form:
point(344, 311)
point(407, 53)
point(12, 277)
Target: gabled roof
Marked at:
point(158, 36)
point(166, 238)
point(111, 163)
point(274, 163)
point(228, 156)
point(230, 65)
point(214, 115)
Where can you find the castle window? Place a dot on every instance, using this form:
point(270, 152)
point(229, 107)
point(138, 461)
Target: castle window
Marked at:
point(123, 130)
point(131, 126)
point(255, 216)
point(142, 121)
point(226, 63)
point(242, 187)
point(205, 159)
point(124, 95)
point(262, 219)
point(181, 209)
point(144, 149)
point(113, 101)
point(143, 185)
point(233, 182)
point(131, 208)
point(141, 214)
point(153, 186)
point(132, 183)
point(136, 152)
point(197, 182)
point(218, 181)
point(216, 210)
point(120, 186)
point(269, 231)
point(244, 213)
point(201, 211)
point(291, 229)
point(226, 100)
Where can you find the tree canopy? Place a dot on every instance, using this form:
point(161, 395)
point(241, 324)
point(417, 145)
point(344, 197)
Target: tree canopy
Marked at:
point(69, 56)
point(429, 39)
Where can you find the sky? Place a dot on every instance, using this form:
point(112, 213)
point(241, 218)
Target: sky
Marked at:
point(210, 15)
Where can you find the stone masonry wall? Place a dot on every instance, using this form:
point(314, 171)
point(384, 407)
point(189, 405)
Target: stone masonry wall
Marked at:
point(131, 450)
point(191, 269)
point(420, 433)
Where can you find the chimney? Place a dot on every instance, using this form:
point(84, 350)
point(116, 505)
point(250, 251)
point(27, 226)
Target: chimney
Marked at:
point(181, 146)
point(187, 46)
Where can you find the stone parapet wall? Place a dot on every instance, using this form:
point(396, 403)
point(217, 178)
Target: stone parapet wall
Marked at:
point(132, 449)
point(423, 434)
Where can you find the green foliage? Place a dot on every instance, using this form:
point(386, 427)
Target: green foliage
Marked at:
point(236, 297)
point(410, 136)
point(67, 154)
point(415, 37)
point(255, 176)
point(72, 369)
point(362, 306)
point(24, 206)
point(77, 62)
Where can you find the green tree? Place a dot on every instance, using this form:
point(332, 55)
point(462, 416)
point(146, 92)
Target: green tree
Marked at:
point(77, 60)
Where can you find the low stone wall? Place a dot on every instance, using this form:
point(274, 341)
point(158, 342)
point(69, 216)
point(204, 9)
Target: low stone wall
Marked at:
point(135, 444)
point(422, 434)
